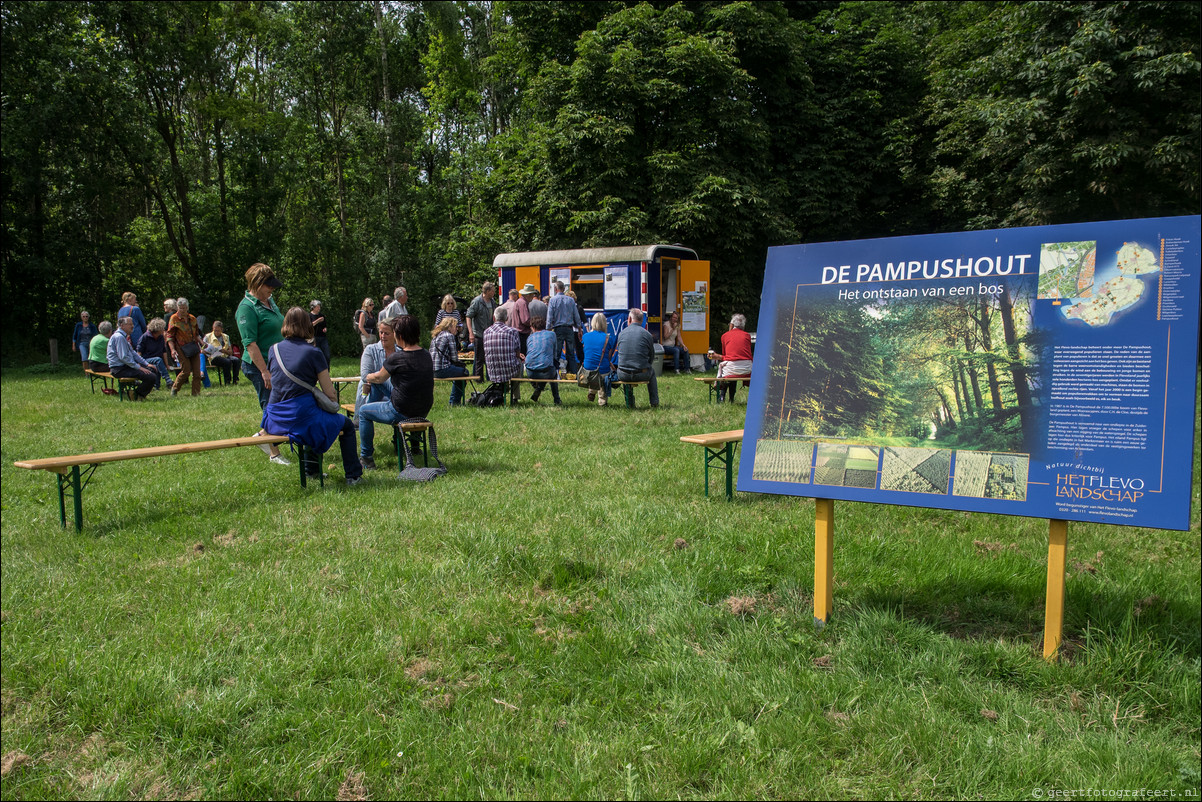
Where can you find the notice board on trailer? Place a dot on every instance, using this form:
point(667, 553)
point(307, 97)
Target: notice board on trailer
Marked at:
point(1045, 371)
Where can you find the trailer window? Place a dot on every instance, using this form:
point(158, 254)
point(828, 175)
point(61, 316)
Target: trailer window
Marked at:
point(589, 287)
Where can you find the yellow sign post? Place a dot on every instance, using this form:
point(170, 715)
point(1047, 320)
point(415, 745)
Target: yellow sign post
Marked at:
point(1053, 616)
point(824, 560)
point(824, 574)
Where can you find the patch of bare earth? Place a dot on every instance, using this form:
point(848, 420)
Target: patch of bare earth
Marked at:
point(741, 605)
point(352, 788)
point(992, 549)
point(13, 761)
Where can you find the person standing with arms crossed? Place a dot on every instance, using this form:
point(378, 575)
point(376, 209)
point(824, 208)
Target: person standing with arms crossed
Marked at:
point(260, 325)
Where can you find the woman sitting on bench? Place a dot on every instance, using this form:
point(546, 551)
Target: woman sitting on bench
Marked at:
point(98, 348)
point(293, 411)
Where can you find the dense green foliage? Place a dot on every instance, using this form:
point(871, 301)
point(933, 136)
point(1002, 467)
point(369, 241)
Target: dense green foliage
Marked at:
point(163, 147)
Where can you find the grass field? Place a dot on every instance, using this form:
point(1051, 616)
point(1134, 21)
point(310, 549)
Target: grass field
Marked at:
point(563, 615)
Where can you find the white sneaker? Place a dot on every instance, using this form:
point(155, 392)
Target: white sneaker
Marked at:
point(278, 459)
point(601, 401)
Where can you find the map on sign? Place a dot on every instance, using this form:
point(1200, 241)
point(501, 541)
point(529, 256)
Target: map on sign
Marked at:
point(1121, 289)
point(1068, 272)
point(1066, 269)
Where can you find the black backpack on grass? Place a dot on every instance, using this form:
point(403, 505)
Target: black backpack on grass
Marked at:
point(493, 396)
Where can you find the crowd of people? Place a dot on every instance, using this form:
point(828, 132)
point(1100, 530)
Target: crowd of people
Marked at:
point(286, 357)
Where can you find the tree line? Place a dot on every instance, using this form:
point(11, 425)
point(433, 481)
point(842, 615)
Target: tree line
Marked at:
point(163, 147)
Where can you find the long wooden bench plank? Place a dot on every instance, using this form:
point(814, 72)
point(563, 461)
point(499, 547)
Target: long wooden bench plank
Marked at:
point(60, 464)
point(78, 480)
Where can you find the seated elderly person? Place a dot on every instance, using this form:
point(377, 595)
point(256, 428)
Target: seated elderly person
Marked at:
point(502, 350)
point(98, 348)
point(223, 359)
point(541, 351)
point(152, 346)
point(371, 362)
point(636, 355)
point(735, 359)
point(297, 369)
point(125, 363)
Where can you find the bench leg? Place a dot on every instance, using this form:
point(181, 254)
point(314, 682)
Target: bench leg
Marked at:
point(76, 484)
point(721, 456)
point(628, 393)
point(304, 477)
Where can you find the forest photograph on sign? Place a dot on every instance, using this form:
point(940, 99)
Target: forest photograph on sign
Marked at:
point(1045, 371)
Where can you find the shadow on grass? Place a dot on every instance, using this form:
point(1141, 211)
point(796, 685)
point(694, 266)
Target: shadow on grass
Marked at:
point(984, 610)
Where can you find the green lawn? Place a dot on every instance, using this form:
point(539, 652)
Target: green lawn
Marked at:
point(563, 615)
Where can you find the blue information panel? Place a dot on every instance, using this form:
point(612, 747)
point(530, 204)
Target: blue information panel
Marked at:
point(1045, 371)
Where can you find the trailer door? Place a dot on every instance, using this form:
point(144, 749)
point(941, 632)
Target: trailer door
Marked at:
point(695, 305)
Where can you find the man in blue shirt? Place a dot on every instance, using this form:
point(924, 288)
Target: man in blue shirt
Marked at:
point(126, 363)
point(563, 318)
point(540, 358)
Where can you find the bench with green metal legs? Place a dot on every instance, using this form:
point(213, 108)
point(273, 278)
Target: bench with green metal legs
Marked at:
point(76, 471)
point(719, 451)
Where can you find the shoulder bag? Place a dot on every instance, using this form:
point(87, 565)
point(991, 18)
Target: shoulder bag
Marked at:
point(324, 401)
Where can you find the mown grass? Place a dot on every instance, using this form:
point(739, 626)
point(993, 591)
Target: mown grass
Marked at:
point(563, 615)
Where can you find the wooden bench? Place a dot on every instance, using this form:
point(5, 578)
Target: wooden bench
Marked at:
point(544, 382)
point(340, 381)
point(719, 449)
point(123, 385)
point(78, 480)
point(713, 381)
point(399, 428)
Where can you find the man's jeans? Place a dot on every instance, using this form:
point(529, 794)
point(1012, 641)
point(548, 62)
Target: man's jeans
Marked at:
point(377, 409)
point(647, 375)
point(565, 336)
point(451, 372)
point(544, 373)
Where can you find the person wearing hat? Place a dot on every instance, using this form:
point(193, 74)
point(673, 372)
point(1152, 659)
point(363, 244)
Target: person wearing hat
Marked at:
point(563, 318)
point(320, 330)
point(260, 325)
point(520, 317)
point(537, 306)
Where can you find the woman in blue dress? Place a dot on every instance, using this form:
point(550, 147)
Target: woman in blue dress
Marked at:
point(293, 411)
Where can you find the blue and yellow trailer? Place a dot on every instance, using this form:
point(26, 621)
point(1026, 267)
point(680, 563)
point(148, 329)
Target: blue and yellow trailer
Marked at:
point(658, 279)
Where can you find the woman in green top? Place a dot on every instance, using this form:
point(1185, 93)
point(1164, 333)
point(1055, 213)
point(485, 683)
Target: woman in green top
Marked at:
point(259, 327)
point(98, 348)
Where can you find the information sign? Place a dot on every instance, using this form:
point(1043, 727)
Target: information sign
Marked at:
point(1045, 371)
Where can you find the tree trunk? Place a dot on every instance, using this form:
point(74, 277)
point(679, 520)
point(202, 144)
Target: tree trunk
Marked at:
point(984, 322)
